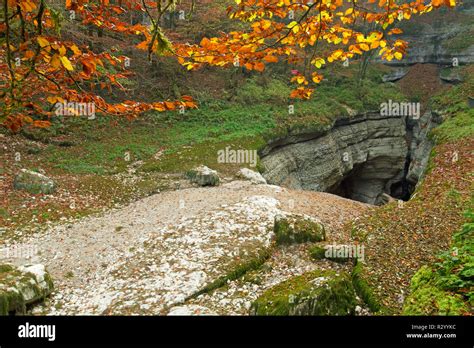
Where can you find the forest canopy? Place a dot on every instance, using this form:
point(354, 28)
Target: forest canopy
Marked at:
point(41, 68)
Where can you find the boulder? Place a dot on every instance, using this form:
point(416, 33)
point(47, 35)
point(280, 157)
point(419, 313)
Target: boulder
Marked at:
point(452, 76)
point(395, 76)
point(294, 228)
point(203, 176)
point(385, 198)
point(254, 177)
point(21, 286)
point(34, 182)
point(319, 292)
point(470, 102)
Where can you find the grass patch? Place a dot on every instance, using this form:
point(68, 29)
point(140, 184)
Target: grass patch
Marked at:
point(458, 116)
point(257, 112)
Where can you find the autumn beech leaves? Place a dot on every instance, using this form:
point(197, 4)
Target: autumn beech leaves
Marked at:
point(39, 69)
point(305, 32)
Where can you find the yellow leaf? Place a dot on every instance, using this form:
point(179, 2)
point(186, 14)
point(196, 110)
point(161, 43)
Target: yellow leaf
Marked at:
point(294, 27)
point(66, 63)
point(319, 62)
point(317, 78)
point(62, 50)
point(42, 41)
point(76, 50)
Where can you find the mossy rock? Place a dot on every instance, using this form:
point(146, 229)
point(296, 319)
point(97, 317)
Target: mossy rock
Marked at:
point(317, 252)
point(292, 229)
point(363, 289)
point(428, 299)
point(34, 182)
point(203, 176)
point(21, 286)
point(313, 293)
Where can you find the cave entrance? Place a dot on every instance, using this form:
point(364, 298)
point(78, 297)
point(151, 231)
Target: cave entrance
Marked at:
point(346, 187)
point(361, 185)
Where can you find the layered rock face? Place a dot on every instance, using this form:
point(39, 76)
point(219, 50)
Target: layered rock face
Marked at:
point(440, 36)
point(360, 158)
point(420, 144)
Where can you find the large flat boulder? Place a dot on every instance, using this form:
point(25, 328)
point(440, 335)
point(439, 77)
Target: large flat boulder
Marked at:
point(295, 228)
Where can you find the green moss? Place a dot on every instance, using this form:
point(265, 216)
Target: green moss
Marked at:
point(11, 302)
point(430, 300)
point(445, 287)
point(5, 268)
point(317, 252)
point(295, 229)
point(336, 253)
point(313, 293)
point(363, 288)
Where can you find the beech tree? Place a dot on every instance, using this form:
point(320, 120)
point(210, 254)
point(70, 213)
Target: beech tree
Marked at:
point(328, 31)
point(39, 69)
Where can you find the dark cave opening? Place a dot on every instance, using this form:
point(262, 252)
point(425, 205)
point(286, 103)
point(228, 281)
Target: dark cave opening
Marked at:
point(360, 185)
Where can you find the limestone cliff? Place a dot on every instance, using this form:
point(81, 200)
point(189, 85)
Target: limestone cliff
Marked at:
point(360, 157)
point(440, 36)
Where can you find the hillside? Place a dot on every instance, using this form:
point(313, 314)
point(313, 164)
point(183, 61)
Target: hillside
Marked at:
point(125, 221)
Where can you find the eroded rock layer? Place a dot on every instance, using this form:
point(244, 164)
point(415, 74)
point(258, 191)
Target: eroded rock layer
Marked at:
point(362, 157)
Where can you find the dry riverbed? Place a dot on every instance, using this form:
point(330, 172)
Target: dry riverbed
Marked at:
point(154, 255)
